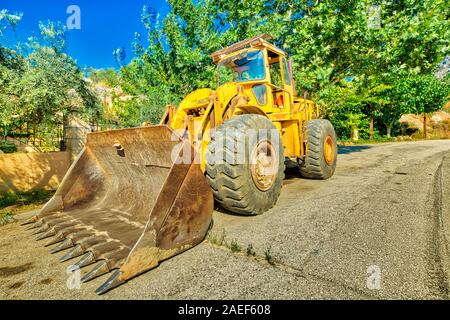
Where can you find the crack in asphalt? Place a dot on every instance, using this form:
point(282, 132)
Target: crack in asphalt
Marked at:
point(437, 245)
point(281, 266)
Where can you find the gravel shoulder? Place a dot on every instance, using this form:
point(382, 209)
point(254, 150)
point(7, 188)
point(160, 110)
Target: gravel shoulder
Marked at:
point(384, 214)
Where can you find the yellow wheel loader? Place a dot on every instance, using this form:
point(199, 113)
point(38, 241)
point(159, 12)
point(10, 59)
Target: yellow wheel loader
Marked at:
point(135, 197)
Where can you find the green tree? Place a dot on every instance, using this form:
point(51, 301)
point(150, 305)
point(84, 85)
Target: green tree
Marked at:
point(176, 60)
point(44, 85)
point(50, 84)
point(389, 105)
point(422, 94)
point(347, 112)
point(367, 43)
point(107, 77)
point(11, 69)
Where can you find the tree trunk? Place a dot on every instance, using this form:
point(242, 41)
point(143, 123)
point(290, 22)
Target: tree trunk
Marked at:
point(424, 125)
point(371, 123)
point(388, 130)
point(354, 135)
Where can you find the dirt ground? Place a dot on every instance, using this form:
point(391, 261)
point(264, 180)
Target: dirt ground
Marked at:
point(377, 229)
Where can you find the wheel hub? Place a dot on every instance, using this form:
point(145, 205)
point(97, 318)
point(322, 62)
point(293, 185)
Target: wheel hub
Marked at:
point(264, 165)
point(328, 150)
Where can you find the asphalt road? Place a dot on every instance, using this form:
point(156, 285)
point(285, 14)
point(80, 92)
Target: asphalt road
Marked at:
point(377, 229)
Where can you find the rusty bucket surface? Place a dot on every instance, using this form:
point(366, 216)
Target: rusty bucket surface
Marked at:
point(125, 205)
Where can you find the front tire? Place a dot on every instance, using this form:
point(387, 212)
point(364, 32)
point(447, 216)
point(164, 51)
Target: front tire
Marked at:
point(321, 157)
point(245, 164)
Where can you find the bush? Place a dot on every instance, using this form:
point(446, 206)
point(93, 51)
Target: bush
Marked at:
point(8, 147)
point(8, 199)
point(24, 198)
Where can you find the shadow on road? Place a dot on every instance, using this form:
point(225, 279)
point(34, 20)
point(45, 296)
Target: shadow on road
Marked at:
point(351, 149)
point(292, 171)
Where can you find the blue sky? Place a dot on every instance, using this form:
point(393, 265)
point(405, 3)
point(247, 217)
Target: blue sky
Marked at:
point(105, 25)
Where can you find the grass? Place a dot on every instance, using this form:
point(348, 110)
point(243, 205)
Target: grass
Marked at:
point(6, 217)
point(12, 203)
point(217, 239)
point(7, 147)
point(376, 139)
point(220, 240)
point(437, 134)
point(438, 131)
point(234, 246)
point(251, 251)
point(24, 198)
point(268, 256)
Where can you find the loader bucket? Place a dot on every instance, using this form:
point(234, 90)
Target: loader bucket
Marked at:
point(126, 204)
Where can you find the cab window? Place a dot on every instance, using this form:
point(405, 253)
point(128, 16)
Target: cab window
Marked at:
point(247, 66)
point(286, 75)
point(275, 74)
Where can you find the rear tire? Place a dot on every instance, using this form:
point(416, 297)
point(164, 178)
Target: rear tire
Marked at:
point(239, 185)
point(321, 157)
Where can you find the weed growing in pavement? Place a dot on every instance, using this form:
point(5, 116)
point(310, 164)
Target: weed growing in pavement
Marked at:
point(251, 251)
point(268, 256)
point(234, 246)
point(6, 217)
point(217, 239)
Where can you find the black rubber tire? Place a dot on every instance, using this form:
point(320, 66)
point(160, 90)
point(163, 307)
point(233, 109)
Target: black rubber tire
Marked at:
point(314, 165)
point(232, 183)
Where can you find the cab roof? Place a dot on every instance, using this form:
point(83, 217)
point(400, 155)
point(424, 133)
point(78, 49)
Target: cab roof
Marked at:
point(258, 42)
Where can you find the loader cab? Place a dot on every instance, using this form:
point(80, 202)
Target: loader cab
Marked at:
point(264, 73)
point(281, 80)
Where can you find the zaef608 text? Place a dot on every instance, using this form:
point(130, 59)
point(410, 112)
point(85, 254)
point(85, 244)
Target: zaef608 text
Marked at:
point(231, 309)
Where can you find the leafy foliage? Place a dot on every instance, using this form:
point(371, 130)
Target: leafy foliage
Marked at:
point(42, 84)
point(359, 60)
point(422, 93)
point(24, 198)
point(350, 56)
point(7, 147)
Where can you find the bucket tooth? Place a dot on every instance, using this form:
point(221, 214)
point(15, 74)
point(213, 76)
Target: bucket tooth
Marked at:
point(99, 269)
point(66, 244)
point(169, 212)
point(88, 241)
point(75, 252)
point(102, 248)
point(112, 282)
point(62, 225)
point(56, 222)
point(75, 231)
point(57, 238)
point(109, 261)
point(87, 259)
point(35, 225)
point(33, 219)
point(41, 229)
point(47, 234)
point(31, 226)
